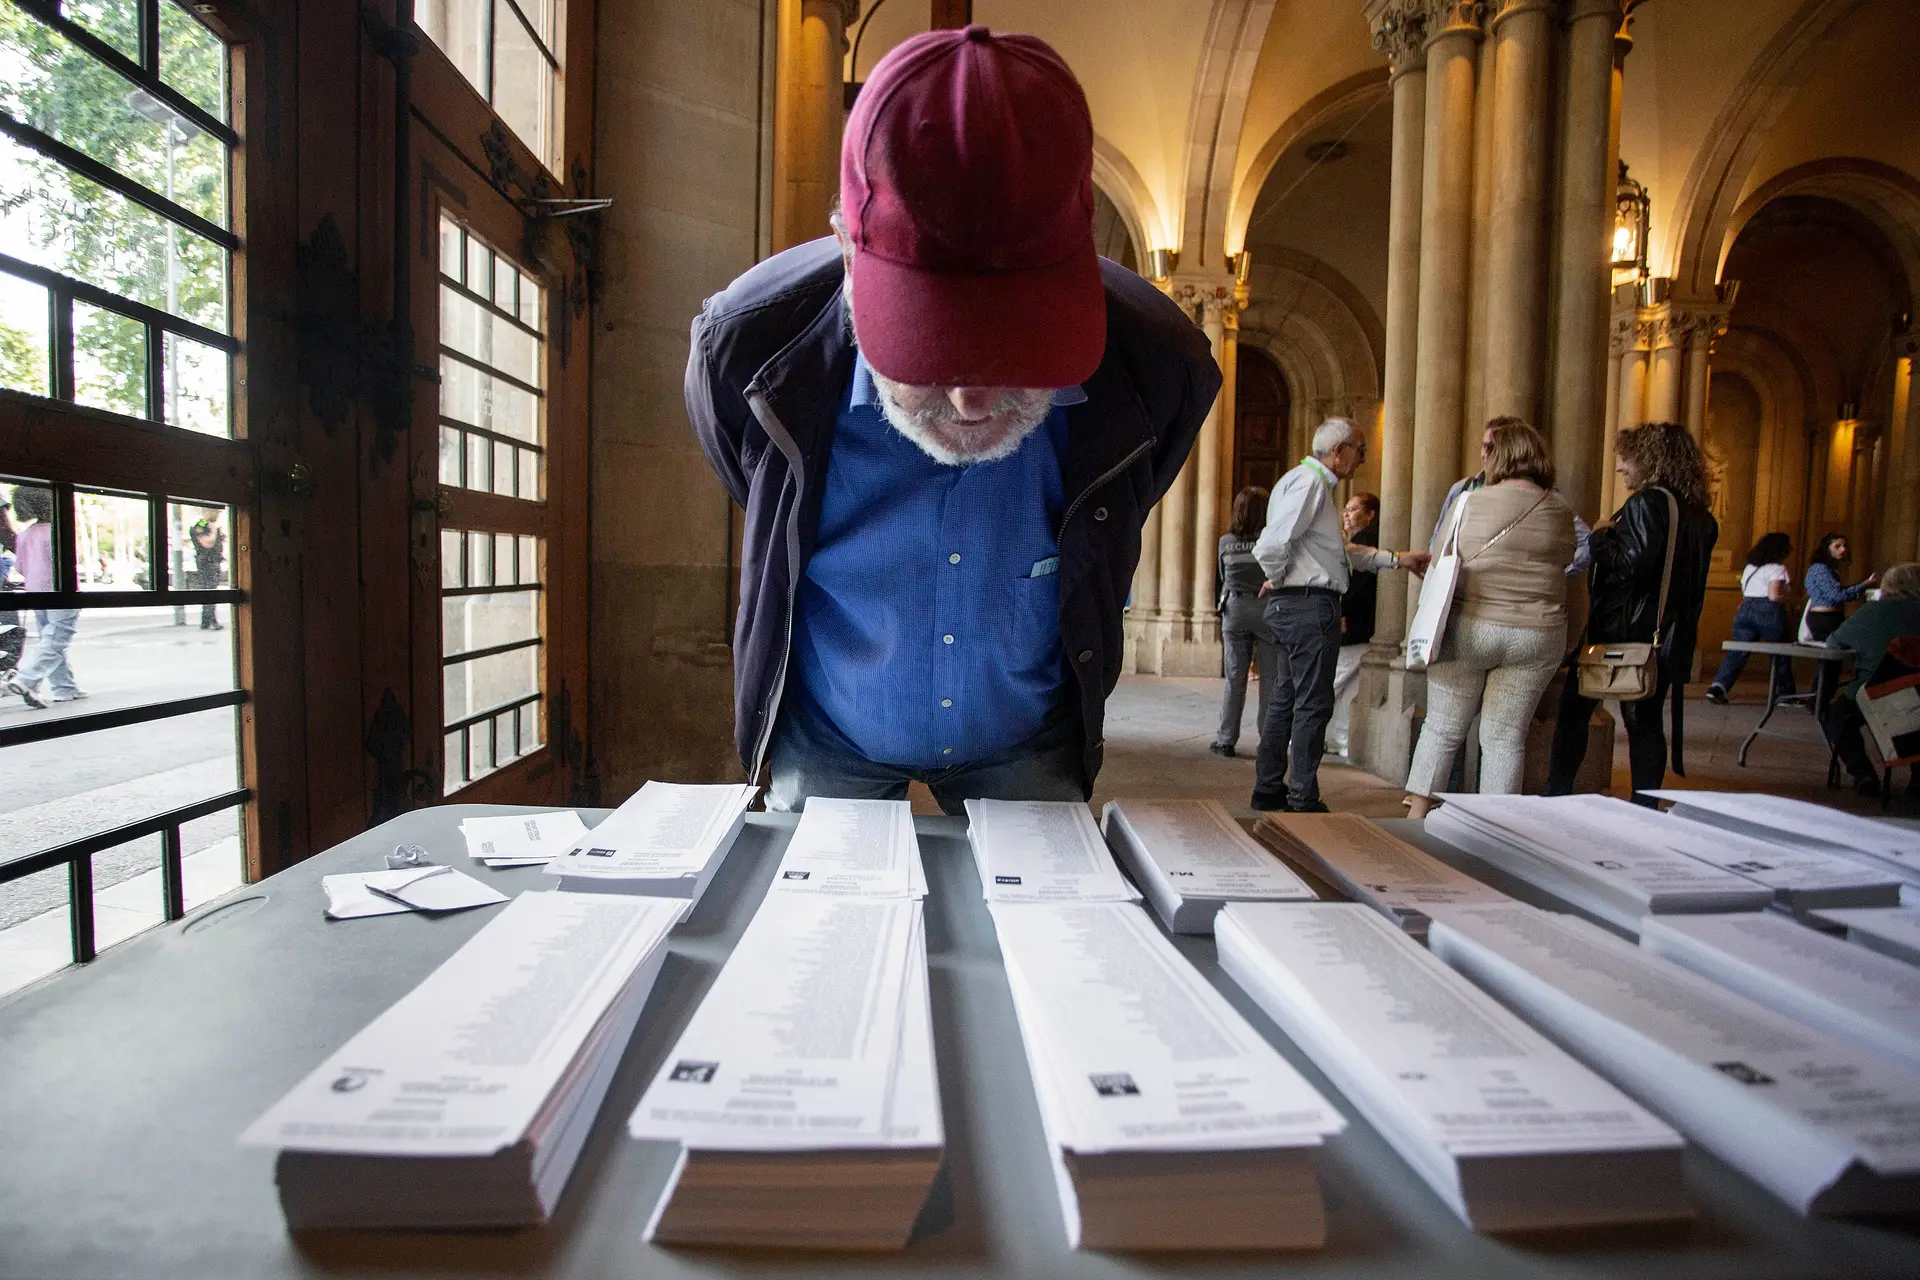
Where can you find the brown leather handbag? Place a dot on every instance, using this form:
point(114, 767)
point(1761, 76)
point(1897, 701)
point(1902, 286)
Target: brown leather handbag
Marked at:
point(1631, 672)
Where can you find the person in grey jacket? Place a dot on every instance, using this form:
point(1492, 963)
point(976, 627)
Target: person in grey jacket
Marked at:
point(1243, 624)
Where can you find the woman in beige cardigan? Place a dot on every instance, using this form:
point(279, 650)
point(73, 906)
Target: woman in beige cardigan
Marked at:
point(1507, 631)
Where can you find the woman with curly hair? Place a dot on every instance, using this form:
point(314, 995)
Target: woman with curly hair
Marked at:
point(1656, 462)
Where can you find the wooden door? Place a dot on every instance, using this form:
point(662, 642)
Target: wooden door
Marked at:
point(1261, 411)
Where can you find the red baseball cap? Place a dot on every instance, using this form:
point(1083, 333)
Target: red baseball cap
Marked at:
point(966, 182)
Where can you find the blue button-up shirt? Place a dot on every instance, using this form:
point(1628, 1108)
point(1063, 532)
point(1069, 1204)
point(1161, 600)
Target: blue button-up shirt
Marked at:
point(926, 629)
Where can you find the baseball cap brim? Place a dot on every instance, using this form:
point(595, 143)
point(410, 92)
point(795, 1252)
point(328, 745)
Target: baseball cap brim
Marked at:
point(1039, 327)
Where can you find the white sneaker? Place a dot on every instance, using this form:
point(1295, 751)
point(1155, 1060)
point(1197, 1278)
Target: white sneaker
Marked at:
point(75, 696)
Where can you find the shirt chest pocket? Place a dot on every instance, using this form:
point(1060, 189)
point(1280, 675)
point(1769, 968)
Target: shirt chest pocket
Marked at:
point(1030, 627)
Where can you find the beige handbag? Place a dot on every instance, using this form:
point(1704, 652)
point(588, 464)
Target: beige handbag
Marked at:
point(1631, 672)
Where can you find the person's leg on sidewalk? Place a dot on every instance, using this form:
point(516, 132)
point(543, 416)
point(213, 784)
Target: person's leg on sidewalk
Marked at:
point(1530, 657)
point(1570, 730)
point(1747, 625)
point(1237, 651)
point(1309, 632)
point(1271, 666)
point(1276, 727)
point(61, 624)
point(1646, 722)
point(1346, 677)
point(1454, 688)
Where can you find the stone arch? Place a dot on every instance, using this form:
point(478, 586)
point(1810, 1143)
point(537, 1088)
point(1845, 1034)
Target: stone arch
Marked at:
point(1786, 386)
point(1332, 103)
point(1711, 190)
point(1886, 197)
point(1121, 183)
point(1320, 331)
point(1235, 31)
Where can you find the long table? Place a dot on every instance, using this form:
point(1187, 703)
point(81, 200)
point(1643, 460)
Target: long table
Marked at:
point(124, 1083)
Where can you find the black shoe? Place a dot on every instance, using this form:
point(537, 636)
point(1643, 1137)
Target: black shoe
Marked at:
point(1316, 807)
point(1867, 786)
point(1221, 749)
point(1716, 695)
point(1269, 802)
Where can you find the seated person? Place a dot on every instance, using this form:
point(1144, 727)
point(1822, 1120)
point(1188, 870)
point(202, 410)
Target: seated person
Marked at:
point(1868, 632)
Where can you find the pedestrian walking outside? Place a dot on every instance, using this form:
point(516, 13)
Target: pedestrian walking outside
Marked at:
point(209, 550)
point(45, 660)
point(1243, 622)
point(1307, 561)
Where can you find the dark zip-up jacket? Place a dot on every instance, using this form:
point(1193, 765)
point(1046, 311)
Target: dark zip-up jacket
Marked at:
point(771, 359)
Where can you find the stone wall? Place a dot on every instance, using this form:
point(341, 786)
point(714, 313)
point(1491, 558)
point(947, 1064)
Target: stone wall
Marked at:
point(679, 148)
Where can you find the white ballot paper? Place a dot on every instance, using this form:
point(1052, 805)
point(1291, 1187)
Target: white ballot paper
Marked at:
point(1592, 862)
point(1801, 878)
point(464, 1063)
point(1892, 931)
point(1169, 1122)
point(1190, 856)
point(667, 839)
point(1795, 822)
point(426, 889)
point(809, 1039)
point(1042, 851)
point(1828, 1128)
point(521, 839)
point(853, 849)
point(1370, 866)
point(1819, 981)
point(1447, 1075)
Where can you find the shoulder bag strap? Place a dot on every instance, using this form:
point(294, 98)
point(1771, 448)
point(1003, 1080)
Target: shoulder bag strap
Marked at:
point(1666, 571)
point(1451, 543)
point(1509, 529)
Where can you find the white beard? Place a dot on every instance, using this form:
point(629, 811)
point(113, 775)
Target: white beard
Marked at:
point(944, 436)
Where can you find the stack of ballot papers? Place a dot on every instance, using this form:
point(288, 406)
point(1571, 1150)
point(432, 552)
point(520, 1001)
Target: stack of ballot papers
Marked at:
point(1802, 879)
point(1819, 981)
point(1361, 860)
point(466, 1104)
point(1509, 1131)
point(1191, 857)
point(802, 1094)
point(1592, 861)
point(1828, 1128)
point(1892, 931)
point(1800, 825)
point(666, 841)
point(1170, 1123)
point(521, 839)
point(428, 890)
point(1042, 851)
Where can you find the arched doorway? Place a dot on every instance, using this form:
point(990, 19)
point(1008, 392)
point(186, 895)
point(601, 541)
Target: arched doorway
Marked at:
point(1261, 412)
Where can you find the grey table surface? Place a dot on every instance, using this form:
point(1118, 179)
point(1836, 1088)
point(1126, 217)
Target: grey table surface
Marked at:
point(1790, 649)
point(124, 1084)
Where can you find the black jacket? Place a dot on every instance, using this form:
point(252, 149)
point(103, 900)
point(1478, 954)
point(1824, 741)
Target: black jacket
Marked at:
point(1357, 607)
point(772, 355)
point(1628, 557)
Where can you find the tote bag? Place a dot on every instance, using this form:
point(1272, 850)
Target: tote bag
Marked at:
point(1429, 625)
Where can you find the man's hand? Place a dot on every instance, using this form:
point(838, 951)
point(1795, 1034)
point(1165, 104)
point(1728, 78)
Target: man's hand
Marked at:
point(1266, 588)
point(1415, 561)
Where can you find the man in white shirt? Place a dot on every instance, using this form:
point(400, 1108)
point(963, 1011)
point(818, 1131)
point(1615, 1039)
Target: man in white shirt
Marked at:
point(1308, 560)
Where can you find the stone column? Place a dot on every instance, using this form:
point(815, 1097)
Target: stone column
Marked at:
point(810, 115)
point(1698, 329)
point(1663, 377)
point(1207, 300)
point(1521, 32)
point(1446, 208)
point(1400, 32)
point(1584, 231)
point(1901, 518)
point(1176, 548)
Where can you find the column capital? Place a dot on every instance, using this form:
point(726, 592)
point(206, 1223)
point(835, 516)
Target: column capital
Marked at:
point(1504, 9)
point(1400, 31)
point(1206, 298)
point(1629, 332)
point(1697, 323)
point(1455, 18)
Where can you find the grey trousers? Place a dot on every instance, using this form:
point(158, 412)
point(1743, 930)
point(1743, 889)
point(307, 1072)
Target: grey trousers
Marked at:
point(1243, 632)
point(1293, 733)
point(1499, 673)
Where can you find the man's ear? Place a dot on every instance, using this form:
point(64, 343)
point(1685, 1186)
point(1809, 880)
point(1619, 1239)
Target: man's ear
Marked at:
point(839, 225)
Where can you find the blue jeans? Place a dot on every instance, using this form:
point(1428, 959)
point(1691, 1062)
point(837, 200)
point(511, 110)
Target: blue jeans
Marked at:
point(812, 758)
point(47, 659)
point(1757, 619)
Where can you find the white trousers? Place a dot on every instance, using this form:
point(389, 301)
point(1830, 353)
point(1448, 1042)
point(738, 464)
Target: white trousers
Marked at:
point(1346, 677)
point(1499, 672)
